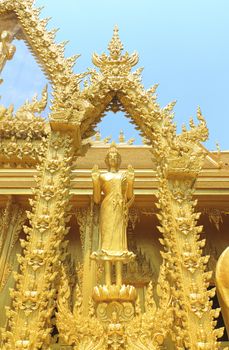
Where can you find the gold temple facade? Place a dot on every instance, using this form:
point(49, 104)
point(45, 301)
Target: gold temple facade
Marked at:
point(106, 246)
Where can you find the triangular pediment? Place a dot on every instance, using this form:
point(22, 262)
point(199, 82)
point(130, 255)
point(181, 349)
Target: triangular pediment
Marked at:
point(22, 22)
point(22, 78)
point(115, 87)
point(114, 81)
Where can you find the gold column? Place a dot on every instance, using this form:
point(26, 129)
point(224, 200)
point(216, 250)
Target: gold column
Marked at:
point(118, 267)
point(107, 266)
point(34, 295)
point(193, 327)
point(12, 220)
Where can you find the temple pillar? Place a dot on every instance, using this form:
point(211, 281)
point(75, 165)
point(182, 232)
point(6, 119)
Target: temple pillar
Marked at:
point(33, 299)
point(12, 219)
point(193, 326)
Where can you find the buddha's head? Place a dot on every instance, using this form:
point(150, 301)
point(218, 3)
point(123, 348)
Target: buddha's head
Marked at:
point(113, 158)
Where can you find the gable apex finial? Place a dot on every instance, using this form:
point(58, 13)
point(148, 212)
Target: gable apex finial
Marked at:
point(116, 63)
point(115, 45)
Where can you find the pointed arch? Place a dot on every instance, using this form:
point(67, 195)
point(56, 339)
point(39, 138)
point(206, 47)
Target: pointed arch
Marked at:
point(139, 107)
point(115, 84)
point(22, 20)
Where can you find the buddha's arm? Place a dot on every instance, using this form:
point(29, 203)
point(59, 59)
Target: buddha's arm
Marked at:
point(222, 284)
point(130, 182)
point(95, 174)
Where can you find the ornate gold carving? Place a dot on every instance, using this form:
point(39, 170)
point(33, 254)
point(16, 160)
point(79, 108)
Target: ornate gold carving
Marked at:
point(124, 311)
point(115, 331)
point(82, 215)
point(11, 222)
point(138, 272)
point(149, 329)
point(115, 65)
point(24, 134)
point(114, 292)
point(183, 260)
point(118, 326)
point(49, 54)
point(122, 139)
point(184, 310)
point(75, 329)
point(87, 219)
point(25, 115)
point(98, 140)
point(33, 301)
point(7, 49)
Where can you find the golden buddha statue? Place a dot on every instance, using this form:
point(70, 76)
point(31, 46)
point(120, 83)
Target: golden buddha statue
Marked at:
point(114, 190)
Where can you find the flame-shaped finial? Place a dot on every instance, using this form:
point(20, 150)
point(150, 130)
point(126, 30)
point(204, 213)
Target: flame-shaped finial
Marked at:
point(98, 136)
point(115, 46)
point(115, 64)
point(121, 136)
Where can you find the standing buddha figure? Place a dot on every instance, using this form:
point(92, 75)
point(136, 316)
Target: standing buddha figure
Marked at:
point(114, 191)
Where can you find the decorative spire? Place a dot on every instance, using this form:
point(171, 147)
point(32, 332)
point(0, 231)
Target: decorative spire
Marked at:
point(98, 136)
point(121, 136)
point(116, 64)
point(115, 46)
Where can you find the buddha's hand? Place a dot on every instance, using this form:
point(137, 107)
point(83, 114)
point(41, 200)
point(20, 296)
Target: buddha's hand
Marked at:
point(130, 172)
point(95, 172)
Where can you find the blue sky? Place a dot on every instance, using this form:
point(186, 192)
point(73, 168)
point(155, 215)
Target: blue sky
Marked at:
point(183, 46)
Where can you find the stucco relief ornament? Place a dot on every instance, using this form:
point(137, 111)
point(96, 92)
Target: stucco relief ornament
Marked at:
point(7, 50)
point(116, 334)
point(82, 332)
point(74, 113)
point(115, 65)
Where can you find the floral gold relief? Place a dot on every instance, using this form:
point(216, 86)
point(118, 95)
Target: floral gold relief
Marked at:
point(84, 281)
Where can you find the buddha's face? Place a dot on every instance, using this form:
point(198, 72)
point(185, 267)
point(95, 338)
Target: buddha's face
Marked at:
point(113, 160)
